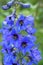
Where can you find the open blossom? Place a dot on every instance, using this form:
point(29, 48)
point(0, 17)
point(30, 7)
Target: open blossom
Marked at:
point(23, 22)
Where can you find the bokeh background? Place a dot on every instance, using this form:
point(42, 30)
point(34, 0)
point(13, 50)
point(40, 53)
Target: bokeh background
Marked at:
point(36, 10)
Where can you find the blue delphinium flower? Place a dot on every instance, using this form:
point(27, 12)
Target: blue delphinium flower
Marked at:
point(26, 44)
point(8, 24)
point(15, 38)
point(9, 59)
point(30, 20)
point(6, 48)
point(9, 48)
point(36, 54)
point(20, 23)
point(9, 20)
point(23, 22)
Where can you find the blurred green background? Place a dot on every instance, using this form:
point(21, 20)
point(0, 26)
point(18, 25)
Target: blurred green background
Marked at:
point(36, 10)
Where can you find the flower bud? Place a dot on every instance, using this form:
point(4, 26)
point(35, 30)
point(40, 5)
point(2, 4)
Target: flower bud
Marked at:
point(5, 7)
point(9, 4)
point(24, 5)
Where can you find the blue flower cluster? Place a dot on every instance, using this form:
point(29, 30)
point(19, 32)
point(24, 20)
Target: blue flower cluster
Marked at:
point(19, 49)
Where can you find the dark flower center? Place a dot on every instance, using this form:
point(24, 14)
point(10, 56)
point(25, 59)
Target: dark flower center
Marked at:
point(24, 44)
point(9, 18)
point(6, 50)
point(21, 22)
point(10, 29)
point(14, 64)
point(22, 64)
point(15, 36)
point(11, 49)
